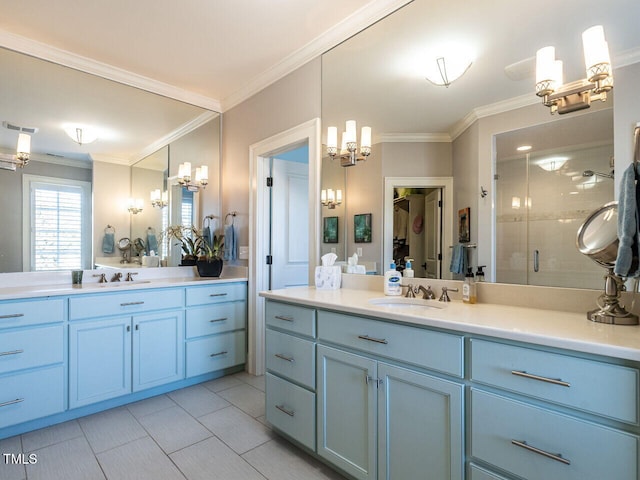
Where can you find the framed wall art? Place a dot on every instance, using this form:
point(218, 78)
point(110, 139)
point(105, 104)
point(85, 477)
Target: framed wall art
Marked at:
point(362, 228)
point(330, 230)
point(464, 227)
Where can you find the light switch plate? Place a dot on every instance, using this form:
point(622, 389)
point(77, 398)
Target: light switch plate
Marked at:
point(243, 253)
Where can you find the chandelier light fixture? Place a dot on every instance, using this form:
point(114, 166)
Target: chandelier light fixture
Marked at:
point(159, 199)
point(349, 149)
point(331, 198)
point(574, 96)
point(21, 158)
point(201, 179)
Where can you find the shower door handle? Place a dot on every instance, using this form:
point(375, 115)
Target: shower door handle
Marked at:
point(536, 260)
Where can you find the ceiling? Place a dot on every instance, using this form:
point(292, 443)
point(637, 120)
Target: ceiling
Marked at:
point(214, 54)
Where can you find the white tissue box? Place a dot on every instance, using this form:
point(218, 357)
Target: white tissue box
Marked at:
point(328, 278)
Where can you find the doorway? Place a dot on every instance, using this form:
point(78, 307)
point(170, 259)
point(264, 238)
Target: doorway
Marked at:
point(259, 227)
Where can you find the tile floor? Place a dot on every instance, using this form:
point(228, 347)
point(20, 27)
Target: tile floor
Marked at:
point(213, 431)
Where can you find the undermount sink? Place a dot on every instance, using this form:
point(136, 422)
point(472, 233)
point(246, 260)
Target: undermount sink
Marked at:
point(404, 302)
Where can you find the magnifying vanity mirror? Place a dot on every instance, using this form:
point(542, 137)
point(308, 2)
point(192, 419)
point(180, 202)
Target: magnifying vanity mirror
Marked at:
point(467, 135)
point(141, 139)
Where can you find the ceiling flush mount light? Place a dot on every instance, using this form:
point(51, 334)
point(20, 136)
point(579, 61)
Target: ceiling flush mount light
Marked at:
point(444, 70)
point(331, 198)
point(348, 152)
point(552, 164)
point(201, 178)
point(21, 158)
point(576, 95)
point(81, 134)
point(524, 148)
point(159, 199)
point(135, 205)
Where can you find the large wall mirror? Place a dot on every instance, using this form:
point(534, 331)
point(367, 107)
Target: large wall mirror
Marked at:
point(464, 133)
point(141, 139)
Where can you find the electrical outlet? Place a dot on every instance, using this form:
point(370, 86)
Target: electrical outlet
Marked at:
point(359, 251)
point(243, 253)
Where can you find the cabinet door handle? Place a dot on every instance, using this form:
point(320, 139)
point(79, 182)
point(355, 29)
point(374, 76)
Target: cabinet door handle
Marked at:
point(284, 357)
point(223, 319)
point(12, 315)
point(372, 339)
point(536, 260)
point(12, 402)
point(224, 352)
point(128, 328)
point(12, 352)
point(217, 295)
point(128, 304)
point(286, 318)
point(291, 413)
point(557, 457)
point(555, 381)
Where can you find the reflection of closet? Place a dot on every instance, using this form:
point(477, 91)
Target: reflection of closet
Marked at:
point(408, 230)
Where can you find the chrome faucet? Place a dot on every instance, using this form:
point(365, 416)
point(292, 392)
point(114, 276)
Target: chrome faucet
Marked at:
point(103, 277)
point(116, 277)
point(130, 276)
point(445, 296)
point(427, 293)
point(410, 291)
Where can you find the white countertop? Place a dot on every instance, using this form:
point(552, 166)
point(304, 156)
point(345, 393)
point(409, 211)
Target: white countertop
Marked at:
point(550, 328)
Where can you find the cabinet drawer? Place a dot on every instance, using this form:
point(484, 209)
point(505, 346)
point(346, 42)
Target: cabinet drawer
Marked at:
point(583, 384)
point(31, 348)
point(291, 357)
point(31, 312)
point(31, 395)
point(292, 318)
point(477, 473)
point(224, 292)
point(215, 353)
point(107, 304)
point(506, 432)
point(291, 409)
point(212, 319)
point(434, 350)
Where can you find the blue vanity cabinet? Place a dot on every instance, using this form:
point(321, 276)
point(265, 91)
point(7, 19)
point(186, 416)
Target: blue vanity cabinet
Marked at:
point(379, 416)
point(216, 322)
point(113, 355)
point(32, 359)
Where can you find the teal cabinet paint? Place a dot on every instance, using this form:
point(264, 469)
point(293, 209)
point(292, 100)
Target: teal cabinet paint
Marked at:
point(291, 318)
point(291, 357)
point(124, 303)
point(210, 294)
point(32, 347)
point(158, 349)
point(208, 354)
point(24, 313)
point(479, 473)
point(99, 360)
point(209, 320)
point(347, 410)
point(420, 426)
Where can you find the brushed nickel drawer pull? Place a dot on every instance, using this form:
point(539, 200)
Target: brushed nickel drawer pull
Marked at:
point(557, 457)
point(284, 357)
point(223, 319)
point(286, 318)
point(224, 352)
point(371, 339)
point(13, 352)
point(12, 402)
point(555, 381)
point(128, 304)
point(12, 315)
point(217, 294)
point(291, 413)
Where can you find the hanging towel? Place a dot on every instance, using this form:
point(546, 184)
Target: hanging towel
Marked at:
point(230, 242)
point(152, 242)
point(458, 259)
point(206, 235)
point(108, 243)
point(628, 224)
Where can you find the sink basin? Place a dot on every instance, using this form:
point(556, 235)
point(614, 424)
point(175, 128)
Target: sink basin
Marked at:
point(404, 302)
point(116, 284)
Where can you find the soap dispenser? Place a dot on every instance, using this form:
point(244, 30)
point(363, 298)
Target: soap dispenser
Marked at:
point(408, 271)
point(480, 274)
point(469, 287)
point(392, 281)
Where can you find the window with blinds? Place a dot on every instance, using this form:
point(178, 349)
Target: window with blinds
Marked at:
point(59, 222)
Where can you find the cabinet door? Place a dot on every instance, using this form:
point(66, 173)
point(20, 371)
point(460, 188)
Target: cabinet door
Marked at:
point(347, 400)
point(419, 426)
point(99, 360)
point(158, 349)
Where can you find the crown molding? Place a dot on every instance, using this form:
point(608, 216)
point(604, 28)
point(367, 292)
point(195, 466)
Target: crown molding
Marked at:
point(414, 138)
point(626, 58)
point(104, 70)
point(362, 18)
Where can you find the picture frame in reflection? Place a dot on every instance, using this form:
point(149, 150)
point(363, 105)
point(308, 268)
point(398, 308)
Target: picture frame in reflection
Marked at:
point(362, 228)
point(330, 230)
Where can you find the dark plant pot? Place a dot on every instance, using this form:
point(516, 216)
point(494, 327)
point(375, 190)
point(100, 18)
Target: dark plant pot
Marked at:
point(188, 262)
point(211, 268)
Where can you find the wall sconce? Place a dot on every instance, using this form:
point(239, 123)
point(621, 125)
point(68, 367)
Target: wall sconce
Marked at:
point(21, 158)
point(135, 205)
point(576, 95)
point(159, 199)
point(201, 178)
point(330, 198)
point(348, 156)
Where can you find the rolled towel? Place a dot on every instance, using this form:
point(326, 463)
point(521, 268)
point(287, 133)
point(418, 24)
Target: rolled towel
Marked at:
point(108, 243)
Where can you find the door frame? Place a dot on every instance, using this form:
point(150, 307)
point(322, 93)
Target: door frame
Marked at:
point(259, 153)
point(444, 183)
